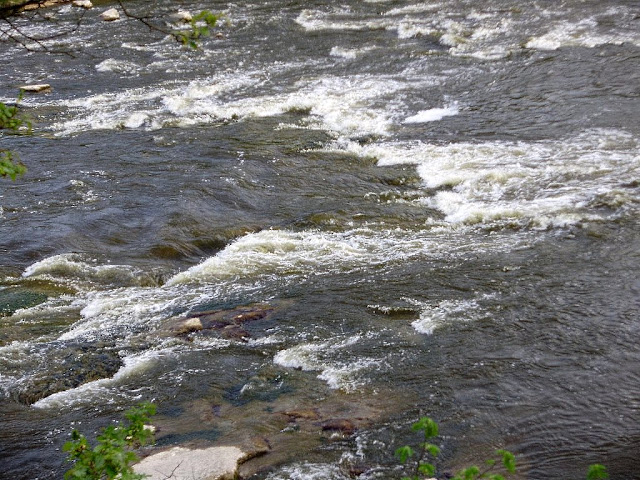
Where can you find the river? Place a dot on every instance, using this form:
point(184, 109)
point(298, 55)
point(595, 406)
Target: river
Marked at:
point(424, 208)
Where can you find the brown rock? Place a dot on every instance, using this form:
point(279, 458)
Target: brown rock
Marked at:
point(339, 425)
point(307, 414)
point(234, 332)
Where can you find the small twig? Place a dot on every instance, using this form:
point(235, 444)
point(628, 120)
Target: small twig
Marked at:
point(16, 34)
point(145, 21)
point(172, 471)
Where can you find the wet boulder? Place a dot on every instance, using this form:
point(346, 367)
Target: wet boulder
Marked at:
point(86, 4)
point(341, 425)
point(189, 325)
point(229, 324)
point(110, 15)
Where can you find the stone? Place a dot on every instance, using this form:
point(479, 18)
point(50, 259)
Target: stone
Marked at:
point(37, 88)
point(189, 325)
point(178, 463)
point(307, 414)
point(234, 332)
point(339, 425)
point(83, 4)
point(181, 16)
point(110, 15)
point(30, 5)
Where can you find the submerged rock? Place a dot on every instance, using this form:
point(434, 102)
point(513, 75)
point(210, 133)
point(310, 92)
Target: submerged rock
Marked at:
point(341, 425)
point(214, 463)
point(78, 366)
point(306, 413)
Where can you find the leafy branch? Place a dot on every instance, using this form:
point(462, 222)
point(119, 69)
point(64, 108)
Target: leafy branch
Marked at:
point(417, 464)
point(200, 26)
point(113, 456)
point(12, 120)
point(429, 429)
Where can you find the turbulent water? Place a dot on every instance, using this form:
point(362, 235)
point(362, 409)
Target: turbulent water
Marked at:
point(433, 206)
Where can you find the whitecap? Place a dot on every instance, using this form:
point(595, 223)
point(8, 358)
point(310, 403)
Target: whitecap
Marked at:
point(433, 114)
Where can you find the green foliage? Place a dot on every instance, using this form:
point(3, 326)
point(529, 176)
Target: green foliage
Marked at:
point(10, 166)
point(597, 472)
point(112, 457)
point(11, 119)
point(420, 468)
point(201, 26)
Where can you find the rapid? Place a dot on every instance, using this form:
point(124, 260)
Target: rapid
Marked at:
point(433, 207)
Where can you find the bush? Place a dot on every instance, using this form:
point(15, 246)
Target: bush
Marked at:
point(417, 464)
point(112, 457)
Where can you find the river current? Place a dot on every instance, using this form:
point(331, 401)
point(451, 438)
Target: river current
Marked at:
point(426, 208)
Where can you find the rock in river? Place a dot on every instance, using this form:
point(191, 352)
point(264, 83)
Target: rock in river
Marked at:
point(214, 463)
point(110, 15)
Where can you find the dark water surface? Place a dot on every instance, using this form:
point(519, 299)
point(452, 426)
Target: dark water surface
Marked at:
point(438, 202)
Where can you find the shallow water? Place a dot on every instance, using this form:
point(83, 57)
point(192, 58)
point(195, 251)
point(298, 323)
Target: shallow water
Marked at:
point(438, 201)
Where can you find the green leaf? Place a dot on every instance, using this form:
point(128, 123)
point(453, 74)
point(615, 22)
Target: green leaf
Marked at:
point(597, 472)
point(433, 450)
point(508, 460)
point(428, 426)
point(426, 469)
point(469, 473)
point(404, 453)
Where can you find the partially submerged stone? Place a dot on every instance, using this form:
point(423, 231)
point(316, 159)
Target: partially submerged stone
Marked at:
point(34, 5)
point(228, 324)
point(181, 16)
point(306, 413)
point(110, 15)
point(40, 87)
point(178, 463)
point(341, 425)
point(83, 4)
point(188, 326)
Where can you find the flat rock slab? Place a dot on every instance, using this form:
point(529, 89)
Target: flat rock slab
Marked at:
point(41, 87)
point(215, 463)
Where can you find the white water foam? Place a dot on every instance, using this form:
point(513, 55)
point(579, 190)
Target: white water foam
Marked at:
point(433, 114)
point(446, 312)
point(539, 185)
point(583, 33)
point(88, 393)
point(354, 105)
point(339, 375)
point(348, 53)
point(118, 66)
point(308, 471)
point(82, 273)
